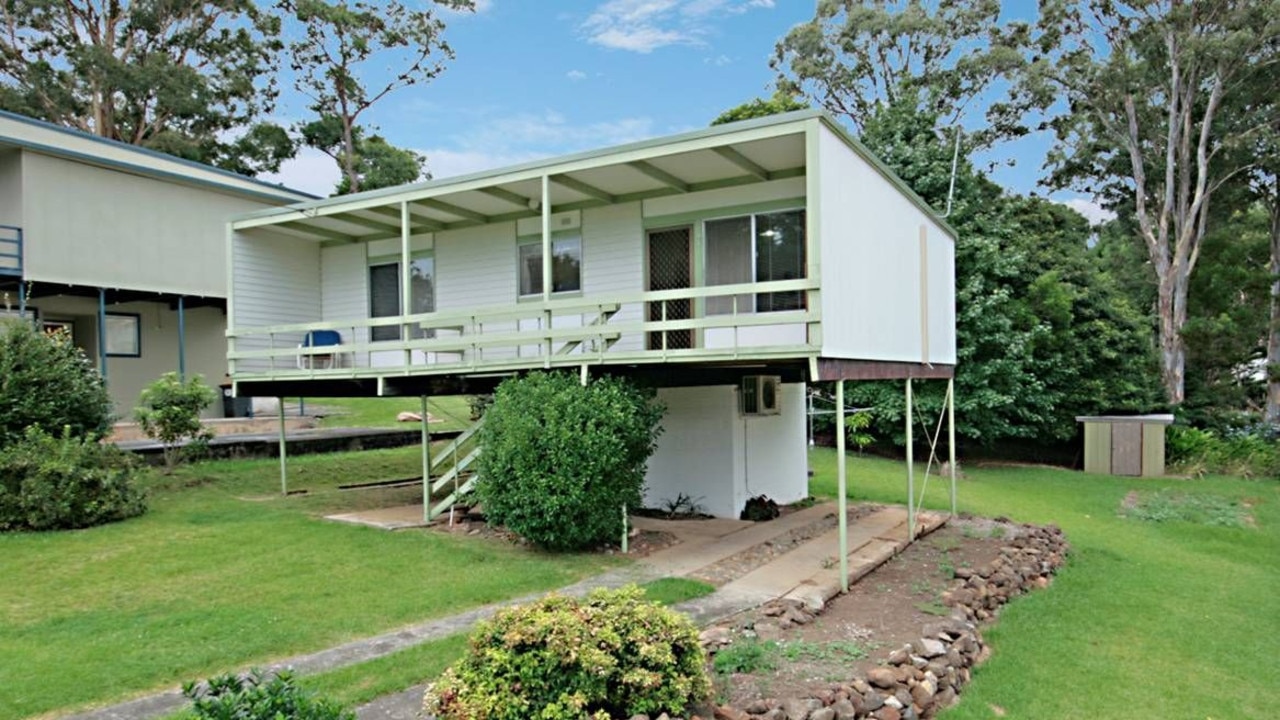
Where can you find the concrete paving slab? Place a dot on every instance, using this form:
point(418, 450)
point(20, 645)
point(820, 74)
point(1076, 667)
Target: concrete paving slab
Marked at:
point(702, 547)
point(393, 518)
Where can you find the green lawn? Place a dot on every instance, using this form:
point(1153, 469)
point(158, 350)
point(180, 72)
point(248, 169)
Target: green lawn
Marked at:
point(222, 573)
point(453, 411)
point(1159, 620)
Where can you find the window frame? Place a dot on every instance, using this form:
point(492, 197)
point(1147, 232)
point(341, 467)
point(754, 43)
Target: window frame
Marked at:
point(536, 241)
point(383, 261)
point(755, 256)
point(135, 349)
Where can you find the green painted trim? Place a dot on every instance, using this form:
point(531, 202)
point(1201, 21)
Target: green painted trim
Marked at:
point(388, 259)
point(700, 216)
point(354, 219)
point(507, 195)
point(555, 235)
point(452, 209)
point(742, 161)
point(656, 173)
point(421, 221)
point(884, 171)
point(583, 188)
point(317, 231)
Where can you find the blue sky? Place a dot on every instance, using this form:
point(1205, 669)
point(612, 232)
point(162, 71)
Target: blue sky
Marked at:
point(536, 78)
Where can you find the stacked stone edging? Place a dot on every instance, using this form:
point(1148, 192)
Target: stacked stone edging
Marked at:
point(924, 676)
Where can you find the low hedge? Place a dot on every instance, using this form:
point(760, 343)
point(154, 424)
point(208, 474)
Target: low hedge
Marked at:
point(611, 656)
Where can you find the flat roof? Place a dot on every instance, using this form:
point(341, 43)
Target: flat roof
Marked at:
point(76, 145)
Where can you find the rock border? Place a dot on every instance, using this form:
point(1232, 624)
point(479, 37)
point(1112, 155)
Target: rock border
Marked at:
point(924, 676)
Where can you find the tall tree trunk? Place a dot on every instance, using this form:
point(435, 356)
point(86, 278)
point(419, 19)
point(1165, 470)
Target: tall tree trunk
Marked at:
point(1272, 414)
point(1171, 310)
point(349, 156)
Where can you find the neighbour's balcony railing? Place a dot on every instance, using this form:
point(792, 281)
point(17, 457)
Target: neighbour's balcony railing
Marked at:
point(656, 326)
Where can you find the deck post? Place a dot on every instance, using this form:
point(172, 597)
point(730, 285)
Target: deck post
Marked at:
point(911, 471)
point(426, 464)
point(22, 299)
point(842, 488)
point(182, 339)
point(406, 282)
point(284, 462)
point(951, 437)
point(546, 239)
point(102, 333)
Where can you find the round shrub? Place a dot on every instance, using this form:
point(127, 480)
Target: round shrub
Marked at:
point(46, 381)
point(560, 459)
point(611, 656)
point(52, 483)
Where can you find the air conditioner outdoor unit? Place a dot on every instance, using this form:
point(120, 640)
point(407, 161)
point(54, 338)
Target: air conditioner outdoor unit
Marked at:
point(760, 395)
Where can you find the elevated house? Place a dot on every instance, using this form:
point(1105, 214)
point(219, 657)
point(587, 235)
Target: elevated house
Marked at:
point(122, 248)
point(728, 267)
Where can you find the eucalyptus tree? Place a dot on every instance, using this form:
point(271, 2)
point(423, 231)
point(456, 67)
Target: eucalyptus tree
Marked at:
point(350, 56)
point(949, 56)
point(193, 79)
point(1147, 95)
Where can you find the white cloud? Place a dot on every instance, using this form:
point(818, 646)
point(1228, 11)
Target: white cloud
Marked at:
point(645, 25)
point(503, 140)
point(1092, 210)
point(718, 61)
point(311, 172)
point(576, 75)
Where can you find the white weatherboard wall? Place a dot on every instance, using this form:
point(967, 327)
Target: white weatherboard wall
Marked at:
point(710, 452)
point(872, 304)
point(344, 285)
point(87, 225)
point(276, 281)
point(612, 262)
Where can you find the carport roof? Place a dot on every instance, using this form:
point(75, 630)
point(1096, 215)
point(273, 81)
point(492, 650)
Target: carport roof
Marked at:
point(741, 153)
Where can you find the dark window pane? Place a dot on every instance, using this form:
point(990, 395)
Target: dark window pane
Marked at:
point(780, 256)
point(530, 269)
point(729, 262)
point(384, 298)
point(566, 265)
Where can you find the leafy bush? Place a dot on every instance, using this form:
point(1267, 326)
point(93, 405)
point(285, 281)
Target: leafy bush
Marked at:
point(46, 381)
point(760, 508)
point(611, 656)
point(258, 697)
point(49, 483)
point(561, 459)
point(746, 656)
point(1249, 452)
point(169, 412)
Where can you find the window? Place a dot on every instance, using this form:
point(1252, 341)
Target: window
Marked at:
point(384, 295)
point(566, 266)
point(756, 248)
point(123, 335)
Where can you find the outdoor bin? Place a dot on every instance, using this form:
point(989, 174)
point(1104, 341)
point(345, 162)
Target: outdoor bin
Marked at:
point(1125, 444)
point(234, 407)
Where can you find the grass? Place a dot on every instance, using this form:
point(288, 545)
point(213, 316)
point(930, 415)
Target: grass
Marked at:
point(1138, 603)
point(453, 411)
point(674, 590)
point(223, 573)
point(361, 683)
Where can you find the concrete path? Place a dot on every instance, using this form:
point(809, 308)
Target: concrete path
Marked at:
point(805, 572)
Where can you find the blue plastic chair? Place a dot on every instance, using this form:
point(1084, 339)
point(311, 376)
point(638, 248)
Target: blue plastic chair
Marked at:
point(317, 339)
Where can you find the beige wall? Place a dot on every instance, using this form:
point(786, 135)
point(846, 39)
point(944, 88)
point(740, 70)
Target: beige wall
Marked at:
point(127, 376)
point(87, 225)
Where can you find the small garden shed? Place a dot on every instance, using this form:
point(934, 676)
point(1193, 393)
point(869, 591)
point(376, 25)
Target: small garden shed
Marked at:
point(1124, 444)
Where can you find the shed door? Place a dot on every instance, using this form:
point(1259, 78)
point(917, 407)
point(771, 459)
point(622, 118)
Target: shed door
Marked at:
point(1126, 448)
point(670, 258)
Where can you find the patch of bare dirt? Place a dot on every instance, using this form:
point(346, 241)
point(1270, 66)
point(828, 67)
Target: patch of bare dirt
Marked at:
point(885, 610)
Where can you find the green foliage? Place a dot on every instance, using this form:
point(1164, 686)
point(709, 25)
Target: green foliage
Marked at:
point(259, 696)
point(561, 459)
point(856, 56)
point(342, 63)
point(66, 482)
point(760, 508)
point(781, 102)
point(169, 412)
point(675, 590)
point(1201, 508)
point(797, 650)
point(190, 79)
point(1249, 452)
point(610, 656)
point(747, 656)
point(47, 382)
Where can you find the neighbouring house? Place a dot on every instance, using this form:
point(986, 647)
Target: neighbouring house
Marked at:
point(728, 267)
point(122, 247)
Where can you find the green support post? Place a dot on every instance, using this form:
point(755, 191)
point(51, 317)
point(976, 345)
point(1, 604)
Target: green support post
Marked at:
point(842, 489)
point(426, 464)
point(951, 438)
point(911, 471)
point(284, 463)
